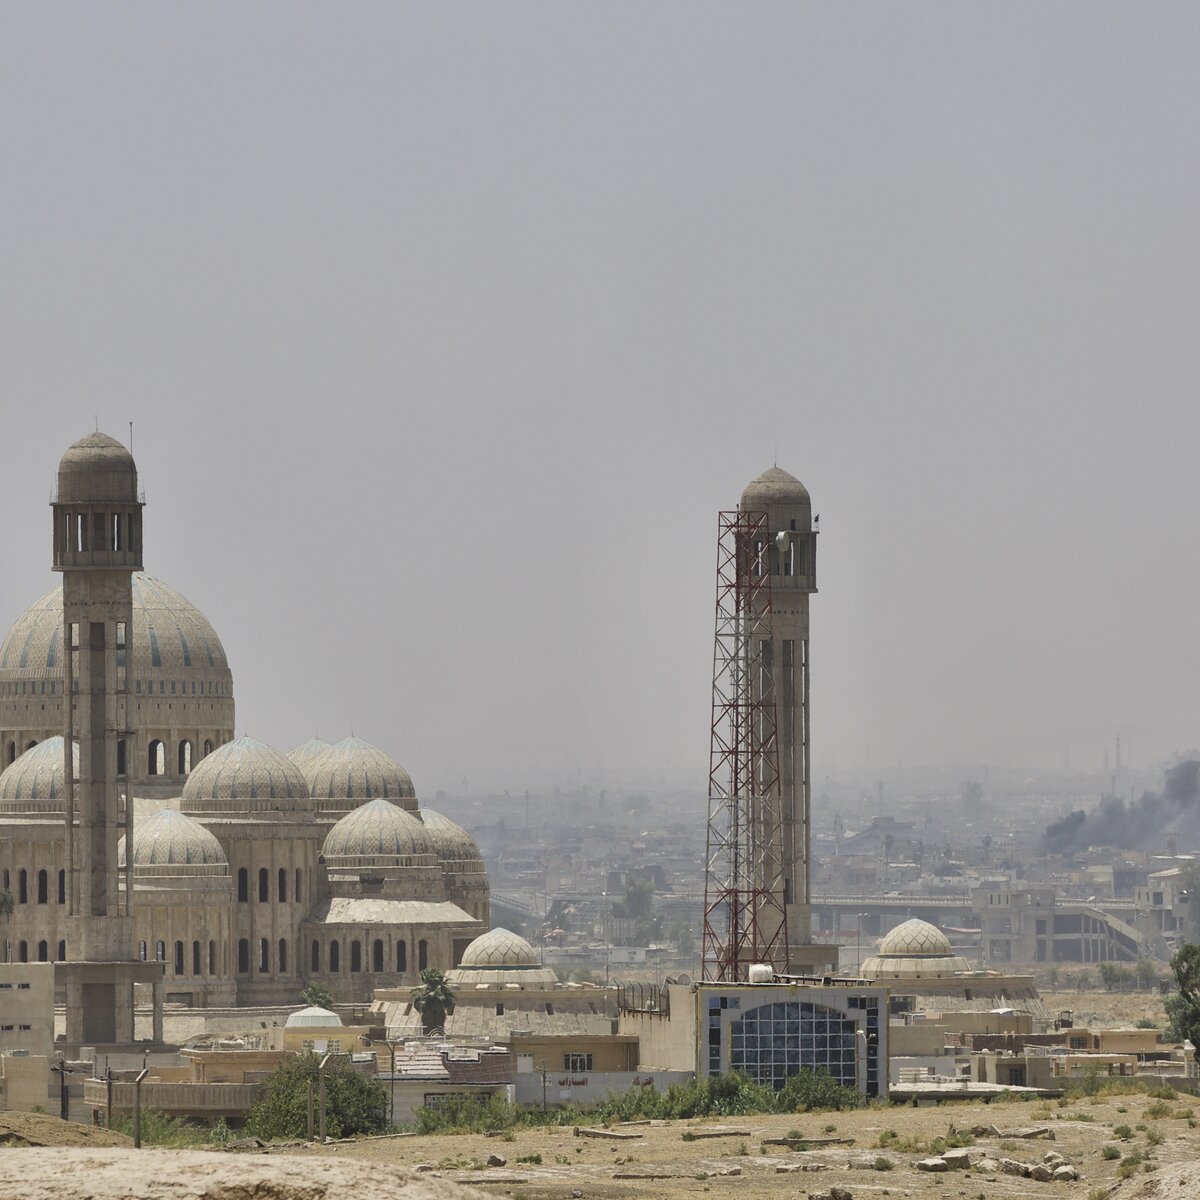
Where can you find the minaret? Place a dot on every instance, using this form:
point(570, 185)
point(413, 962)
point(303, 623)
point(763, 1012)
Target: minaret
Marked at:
point(793, 550)
point(97, 547)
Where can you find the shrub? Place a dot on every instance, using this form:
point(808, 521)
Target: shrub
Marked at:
point(159, 1129)
point(1123, 1132)
point(882, 1164)
point(353, 1103)
point(1111, 1152)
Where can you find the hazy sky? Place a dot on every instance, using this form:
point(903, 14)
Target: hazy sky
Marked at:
point(448, 329)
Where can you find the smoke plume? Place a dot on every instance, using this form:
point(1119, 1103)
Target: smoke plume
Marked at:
point(1128, 826)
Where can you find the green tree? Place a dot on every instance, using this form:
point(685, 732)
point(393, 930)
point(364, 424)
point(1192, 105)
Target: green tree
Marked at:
point(316, 994)
point(434, 999)
point(1145, 972)
point(1114, 976)
point(354, 1103)
point(1185, 1015)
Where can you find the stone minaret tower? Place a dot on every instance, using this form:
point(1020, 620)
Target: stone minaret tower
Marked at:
point(97, 547)
point(793, 579)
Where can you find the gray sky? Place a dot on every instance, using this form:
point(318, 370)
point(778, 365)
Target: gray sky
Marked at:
point(447, 329)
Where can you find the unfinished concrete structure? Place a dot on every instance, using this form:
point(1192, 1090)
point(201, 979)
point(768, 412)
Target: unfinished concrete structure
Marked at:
point(792, 547)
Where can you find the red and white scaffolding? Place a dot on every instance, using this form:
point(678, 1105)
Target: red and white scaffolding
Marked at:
point(745, 920)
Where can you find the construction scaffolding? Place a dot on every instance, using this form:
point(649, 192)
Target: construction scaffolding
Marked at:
point(745, 920)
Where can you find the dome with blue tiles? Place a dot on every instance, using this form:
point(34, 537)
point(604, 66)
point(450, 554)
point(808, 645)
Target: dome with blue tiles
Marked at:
point(34, 781)
point(352, 771)
point(245, 776)
point(172, 839)
point(380, 829)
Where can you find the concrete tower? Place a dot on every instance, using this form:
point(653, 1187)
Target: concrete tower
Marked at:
point(793, 550)
point(97, 547)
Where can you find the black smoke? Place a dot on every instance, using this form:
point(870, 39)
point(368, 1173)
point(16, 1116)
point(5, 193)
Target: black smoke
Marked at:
point(1129, 826)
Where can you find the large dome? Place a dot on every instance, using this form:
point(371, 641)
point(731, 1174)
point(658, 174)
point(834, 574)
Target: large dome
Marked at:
point(169, 838)
point(352, 771)
point(916, 939)
point(306, 752)
point(914, 950)
point(97, 468)
point(242, 777)
point(773, 487)
point(34, 782)
point(453, 842)
point(498, 949)
point(172, 640)
point(379, 829)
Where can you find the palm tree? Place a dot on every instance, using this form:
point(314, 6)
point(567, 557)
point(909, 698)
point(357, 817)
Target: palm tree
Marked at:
point(434, 999)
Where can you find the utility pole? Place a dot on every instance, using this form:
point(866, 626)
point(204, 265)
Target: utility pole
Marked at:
point(321, 1083)
point(137, 1107)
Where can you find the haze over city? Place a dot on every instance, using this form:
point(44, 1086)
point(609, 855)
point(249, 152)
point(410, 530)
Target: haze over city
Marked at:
point(445, 334)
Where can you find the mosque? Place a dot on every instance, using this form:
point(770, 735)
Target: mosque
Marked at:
point(248, 872)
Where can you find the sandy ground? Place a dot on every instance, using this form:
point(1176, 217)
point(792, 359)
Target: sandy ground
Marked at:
point(109, 1174)
point(1108, 1009)
point(39, 1129)
point(741, 1167)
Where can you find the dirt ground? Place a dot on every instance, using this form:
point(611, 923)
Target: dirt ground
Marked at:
point(662, 1163)
point(1107, 1009)
point(39, 1129)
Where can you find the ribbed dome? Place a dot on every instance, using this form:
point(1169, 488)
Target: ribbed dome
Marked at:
point(773, 487)
point(170, 838)
point(378, 829)
point(353, 770)
point(308, 751)
point(453, 842)
point(245, 775)
point(172, 640)
point(498, 949)
point(34, 782)
point(97, 468)
point(915, 939)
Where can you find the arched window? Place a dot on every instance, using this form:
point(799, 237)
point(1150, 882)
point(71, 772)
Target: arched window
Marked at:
point(315, 958)
point(62, 952)
point(196, 965)
point(62, 887)
point(377, 956)
point(43, 951)
point(422, 954)
point(160, 951)
point(243, 957)
point(142, 951)
point(264, 950)
point(156, 758)
point(355, 957)
point(120, 756)
point(283, 885)
point(23, 887)
point(243, 884)
point(185, 757)
point(282, 956)
point(10, 752)
point(401, 956)
point(31, 743)
point(335, 955)
point(43, 887)
point(264, 885)
point(23, 952)
point(178, 958)
point(208, 747)
point(6, 880)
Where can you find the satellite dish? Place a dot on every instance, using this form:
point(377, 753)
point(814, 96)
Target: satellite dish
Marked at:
point(783, 539)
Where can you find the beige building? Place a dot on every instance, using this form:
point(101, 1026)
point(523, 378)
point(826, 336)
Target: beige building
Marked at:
point(251, 871)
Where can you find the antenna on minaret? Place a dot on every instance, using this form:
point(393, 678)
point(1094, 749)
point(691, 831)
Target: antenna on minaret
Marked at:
point(130, 437)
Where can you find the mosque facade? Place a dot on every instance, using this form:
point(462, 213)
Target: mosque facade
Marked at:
point(247, 872)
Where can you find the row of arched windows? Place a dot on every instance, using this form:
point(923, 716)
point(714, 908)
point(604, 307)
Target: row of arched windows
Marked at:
point(264, 956)
point(264, 885)
point(379, 957)
point(42, 886)
point(42, 950)
point(160, 955)
point(156, 756)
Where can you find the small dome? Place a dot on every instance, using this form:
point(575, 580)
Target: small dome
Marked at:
point(355, 770)
point(452, 842)
point(170, 838)
point(306, 752)
point(97, 468)
point(242, 776)
point(773, 487)
point(915, 939)
point(313, 1018)
point(378, 829)
point(36, 779)
point(498, 949)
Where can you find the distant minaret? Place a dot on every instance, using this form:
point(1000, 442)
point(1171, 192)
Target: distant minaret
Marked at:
point(97, 547)
point(793, 550)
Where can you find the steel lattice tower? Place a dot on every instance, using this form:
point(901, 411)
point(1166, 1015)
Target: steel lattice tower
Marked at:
point(745, 916)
